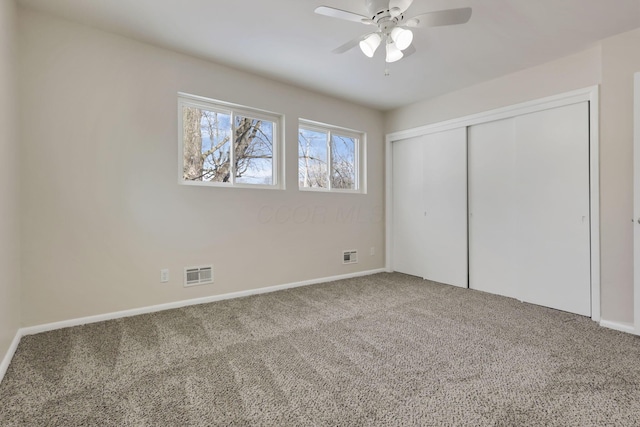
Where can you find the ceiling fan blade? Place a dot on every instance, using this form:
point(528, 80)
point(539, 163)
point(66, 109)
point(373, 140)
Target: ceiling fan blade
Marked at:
point(401, 5)
point(342, 14)
point(441, 17)
point(349, 45)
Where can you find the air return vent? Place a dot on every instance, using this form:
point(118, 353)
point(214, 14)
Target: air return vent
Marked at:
point(350, 257)
point(198, 275)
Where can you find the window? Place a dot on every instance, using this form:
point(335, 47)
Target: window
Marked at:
point(329, 158)
point(223, 144)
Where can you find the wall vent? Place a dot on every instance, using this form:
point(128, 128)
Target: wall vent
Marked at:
point(194, 276)
point(350, 257)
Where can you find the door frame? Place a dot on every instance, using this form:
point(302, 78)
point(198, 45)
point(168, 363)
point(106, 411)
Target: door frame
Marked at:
point(636, 203)
point(589, 94)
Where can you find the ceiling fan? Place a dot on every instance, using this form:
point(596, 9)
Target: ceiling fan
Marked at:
point(394, 29)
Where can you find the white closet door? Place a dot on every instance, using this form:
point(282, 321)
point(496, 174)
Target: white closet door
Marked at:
point(408, 220)
point(429, 207)
point(445, 207)
point(552, 199)
point(492, 242)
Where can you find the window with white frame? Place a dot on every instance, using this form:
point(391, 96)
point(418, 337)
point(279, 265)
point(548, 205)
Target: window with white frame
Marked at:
point(223, 144)
point(329, 158)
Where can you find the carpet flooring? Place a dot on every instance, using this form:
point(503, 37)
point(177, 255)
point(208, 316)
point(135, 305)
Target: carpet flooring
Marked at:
point(381, 350)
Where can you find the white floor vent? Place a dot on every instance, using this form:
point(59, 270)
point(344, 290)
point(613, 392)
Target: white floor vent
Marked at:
point(349, 257)
point(194, 276)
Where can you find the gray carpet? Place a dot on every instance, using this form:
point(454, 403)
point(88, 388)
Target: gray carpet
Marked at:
point(383, 350)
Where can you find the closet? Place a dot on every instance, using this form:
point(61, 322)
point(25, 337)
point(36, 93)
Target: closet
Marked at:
point(501, 206)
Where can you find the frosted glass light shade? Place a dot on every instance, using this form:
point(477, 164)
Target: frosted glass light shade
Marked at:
point(393, 53)
point(402, 37)
point(369, 45)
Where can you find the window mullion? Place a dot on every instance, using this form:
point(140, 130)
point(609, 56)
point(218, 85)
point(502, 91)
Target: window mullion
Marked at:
point(329, 160)
point(232, 150)
point(356, 162)
point(275, 156)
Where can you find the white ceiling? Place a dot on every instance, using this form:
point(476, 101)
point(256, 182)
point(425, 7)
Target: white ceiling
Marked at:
point(285, 40)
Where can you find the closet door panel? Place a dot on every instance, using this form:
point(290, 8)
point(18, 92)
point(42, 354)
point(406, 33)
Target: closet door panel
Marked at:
point(552, 199)
point(445, 207)
point(408, 219)
point(492, 242)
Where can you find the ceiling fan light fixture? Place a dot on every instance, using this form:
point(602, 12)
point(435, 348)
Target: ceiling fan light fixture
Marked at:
point(370, 43)
point(395, 12)
point(402, 37)
point(392, 28)
point(393, 53)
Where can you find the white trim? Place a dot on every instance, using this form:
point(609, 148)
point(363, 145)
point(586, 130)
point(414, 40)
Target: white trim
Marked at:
point(388, 203)
point(6, 361)
point(32, 330)
point(178, 304)
point(329, 190)
point(622, 327)
point(590, 94)
point(229, 105)
point(594, 194)
point(636, 203)
point(546, 103)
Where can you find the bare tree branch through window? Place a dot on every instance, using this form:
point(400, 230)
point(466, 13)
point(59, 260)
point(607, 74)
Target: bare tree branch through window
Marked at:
point(219, 145)
point(327, 160)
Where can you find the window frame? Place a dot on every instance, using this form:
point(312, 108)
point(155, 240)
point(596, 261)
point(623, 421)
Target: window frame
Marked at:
point(359, 156)
point(234, 110)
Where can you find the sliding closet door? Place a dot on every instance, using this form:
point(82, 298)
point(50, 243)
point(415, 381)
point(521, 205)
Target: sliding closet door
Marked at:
point(492, 243)
point(552, 200)
point(429, 207)
point(529, 226)
point(445, 207)
point(408, 221)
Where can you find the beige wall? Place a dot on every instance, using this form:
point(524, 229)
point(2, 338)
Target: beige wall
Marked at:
point(620, 60)
point(103, 211)
point(9, 185)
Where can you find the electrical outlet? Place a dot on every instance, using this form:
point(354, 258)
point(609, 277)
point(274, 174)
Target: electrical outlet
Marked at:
point(372, 251)
point(164, 275)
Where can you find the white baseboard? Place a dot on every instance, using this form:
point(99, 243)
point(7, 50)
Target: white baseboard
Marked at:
point(9, 355)
point(622, 327)
point(31, 330)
